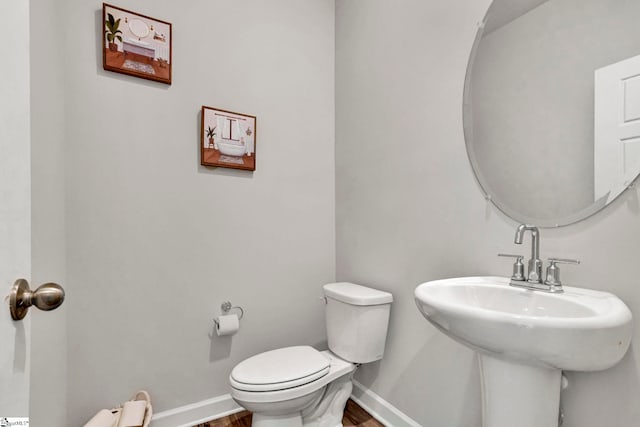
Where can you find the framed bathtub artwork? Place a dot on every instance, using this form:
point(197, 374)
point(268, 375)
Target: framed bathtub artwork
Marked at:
point(136, 44)
point(228, 139)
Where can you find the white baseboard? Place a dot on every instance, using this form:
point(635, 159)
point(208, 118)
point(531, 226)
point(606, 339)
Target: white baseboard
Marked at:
point(221, 406)
point(196, 413)
point(379, 408)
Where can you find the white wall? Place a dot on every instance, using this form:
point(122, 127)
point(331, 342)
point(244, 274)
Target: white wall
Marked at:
point(156, 242)
point(409, 210)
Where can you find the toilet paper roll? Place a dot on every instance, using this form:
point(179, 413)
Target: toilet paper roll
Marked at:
point(227, 325)
point(132, 413)
point(103, 418)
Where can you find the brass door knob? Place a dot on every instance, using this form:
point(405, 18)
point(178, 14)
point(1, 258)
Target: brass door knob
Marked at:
point(47, 297)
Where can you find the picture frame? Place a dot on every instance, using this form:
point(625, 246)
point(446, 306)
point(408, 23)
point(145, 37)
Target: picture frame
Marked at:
point(228, 139)
point(136, 44)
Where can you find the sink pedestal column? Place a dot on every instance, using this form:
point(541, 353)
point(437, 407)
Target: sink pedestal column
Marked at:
point(519, 395)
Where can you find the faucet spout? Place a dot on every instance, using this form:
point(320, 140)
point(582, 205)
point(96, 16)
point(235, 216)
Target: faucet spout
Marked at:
point(535, 264)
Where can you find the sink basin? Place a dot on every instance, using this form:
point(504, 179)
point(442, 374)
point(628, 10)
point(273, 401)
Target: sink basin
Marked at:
point(525, 338)
point(579, 330)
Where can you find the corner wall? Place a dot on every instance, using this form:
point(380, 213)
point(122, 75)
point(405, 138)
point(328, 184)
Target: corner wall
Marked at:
point(408, 210)
point(15, 205)
point(48, 403)
point(155, 241)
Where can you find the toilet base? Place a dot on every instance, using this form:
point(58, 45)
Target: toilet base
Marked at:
point(261, 420)
point(330, 410)
point(283, 421)
point(326, 412)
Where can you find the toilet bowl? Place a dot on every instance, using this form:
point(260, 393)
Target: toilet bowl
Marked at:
point(289, 401)
point(301, 386)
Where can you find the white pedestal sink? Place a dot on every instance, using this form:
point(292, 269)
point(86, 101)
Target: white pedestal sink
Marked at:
point(525, 339)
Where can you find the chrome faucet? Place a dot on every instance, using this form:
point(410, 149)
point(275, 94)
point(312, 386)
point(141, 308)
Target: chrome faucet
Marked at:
point(534, 279)
point(534, 273)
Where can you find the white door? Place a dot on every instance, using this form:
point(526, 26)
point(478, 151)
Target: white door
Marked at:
point(15, 201)
point(616, 127)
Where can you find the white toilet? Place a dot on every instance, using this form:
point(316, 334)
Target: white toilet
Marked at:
point(301, 386)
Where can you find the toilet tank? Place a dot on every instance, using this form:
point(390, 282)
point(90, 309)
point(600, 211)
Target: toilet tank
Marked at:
point(357, 321)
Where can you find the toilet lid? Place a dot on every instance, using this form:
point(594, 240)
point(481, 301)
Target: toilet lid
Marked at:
point(280, 369)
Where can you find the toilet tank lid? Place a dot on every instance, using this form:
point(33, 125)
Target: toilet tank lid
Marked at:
point(353, 294)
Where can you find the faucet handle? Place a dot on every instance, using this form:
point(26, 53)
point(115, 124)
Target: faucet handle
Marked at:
point(553, 271)
point(518, 266)
point(511, 256)
point(563, 261)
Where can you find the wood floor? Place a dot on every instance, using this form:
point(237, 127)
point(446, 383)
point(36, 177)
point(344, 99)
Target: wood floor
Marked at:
point(354, 416)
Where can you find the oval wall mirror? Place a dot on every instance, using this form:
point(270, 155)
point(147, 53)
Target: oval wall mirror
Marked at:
point(138, 28)
point(552, 106)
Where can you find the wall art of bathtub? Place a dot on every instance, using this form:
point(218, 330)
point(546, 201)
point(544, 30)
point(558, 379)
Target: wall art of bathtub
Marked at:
point(228, 139)
point(231, 148)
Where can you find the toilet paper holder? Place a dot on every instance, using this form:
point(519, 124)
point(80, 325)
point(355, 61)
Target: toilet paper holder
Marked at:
point(226, 307)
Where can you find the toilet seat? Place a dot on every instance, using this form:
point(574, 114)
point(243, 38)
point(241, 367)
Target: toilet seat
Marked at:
point(280, 369)
point(337, 369)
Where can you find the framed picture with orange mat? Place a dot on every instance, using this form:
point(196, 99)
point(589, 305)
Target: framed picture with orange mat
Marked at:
point(228, 139)
point(136, 44)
